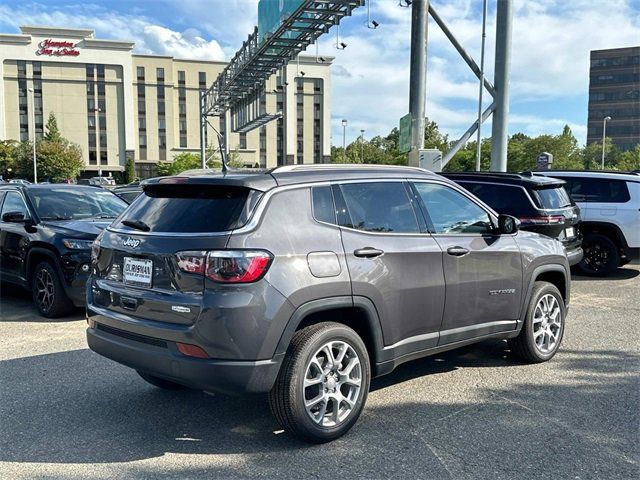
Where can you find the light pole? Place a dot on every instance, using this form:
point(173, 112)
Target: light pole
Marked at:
point(361, 146)
point(344, 140)
point(604, 132)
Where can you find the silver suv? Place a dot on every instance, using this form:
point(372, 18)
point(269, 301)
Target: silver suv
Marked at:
point(307, 281)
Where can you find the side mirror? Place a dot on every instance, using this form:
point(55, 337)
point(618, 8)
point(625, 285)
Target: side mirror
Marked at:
point(13, 217)
point(508, 225)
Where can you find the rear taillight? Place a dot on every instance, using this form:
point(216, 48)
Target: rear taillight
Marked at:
point(192, 261)
point(542, 220)
point(226, 266)
point(237, 266)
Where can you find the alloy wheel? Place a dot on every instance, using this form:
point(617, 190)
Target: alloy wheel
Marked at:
point(547, 323)
point(595, 256)
point(332, 383)
point(45, 290)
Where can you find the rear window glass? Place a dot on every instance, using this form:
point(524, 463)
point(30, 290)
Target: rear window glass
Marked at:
point(597, 190)
point(507, 199)
point(192, 208)
point(549, 198)
point(379, 207)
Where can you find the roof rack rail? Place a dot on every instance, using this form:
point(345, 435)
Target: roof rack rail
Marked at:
point(337, 166)
point(495, 174)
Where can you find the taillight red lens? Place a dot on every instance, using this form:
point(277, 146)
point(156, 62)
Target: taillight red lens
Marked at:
point(237, 266)
point(192, 261)
point(542, 220)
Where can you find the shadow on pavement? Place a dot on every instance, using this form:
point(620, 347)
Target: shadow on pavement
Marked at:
point(76, 407)
point(617, 274)
point(16, 306)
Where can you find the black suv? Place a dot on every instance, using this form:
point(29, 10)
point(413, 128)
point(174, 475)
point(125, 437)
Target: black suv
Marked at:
point(307, 281)
point(541, 204)
point(46, 232)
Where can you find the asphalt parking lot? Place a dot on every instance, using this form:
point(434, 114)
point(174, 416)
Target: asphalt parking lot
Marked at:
point(65, 412)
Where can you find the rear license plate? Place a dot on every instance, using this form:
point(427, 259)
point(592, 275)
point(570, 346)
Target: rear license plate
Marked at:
point(137, 271)
point(569, 232)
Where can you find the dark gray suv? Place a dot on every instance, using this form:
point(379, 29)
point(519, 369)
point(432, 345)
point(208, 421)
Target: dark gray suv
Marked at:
point(307, 281)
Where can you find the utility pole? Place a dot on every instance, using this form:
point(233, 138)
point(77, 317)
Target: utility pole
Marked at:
point(418, 76)
point(604, 136)
point(344, 139)
point(484, 36)
point(499, 129)
point(361, 146)
point(203, 132)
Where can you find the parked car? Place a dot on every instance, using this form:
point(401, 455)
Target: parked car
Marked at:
point(541, 204)
point(307, 281)
point(103, 181)
point(46, 232)
point(128, 192)
point(610, 206)
point(20, 181)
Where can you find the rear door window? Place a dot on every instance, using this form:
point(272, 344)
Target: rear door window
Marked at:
point(191, 208)
point(323, 209)
point(598, 190)
point(552, 198)
point(378, 207)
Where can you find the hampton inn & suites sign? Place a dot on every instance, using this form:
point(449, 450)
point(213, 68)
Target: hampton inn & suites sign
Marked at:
point(57, 48)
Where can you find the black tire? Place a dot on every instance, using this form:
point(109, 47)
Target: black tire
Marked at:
point(524, 345)
point(601, 255)
point(287, 397)
point(48, 292)
point(160, 382)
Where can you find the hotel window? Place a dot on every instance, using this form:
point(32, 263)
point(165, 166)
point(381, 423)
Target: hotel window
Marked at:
point(102, 113)
point(140, 74)
point(91, 114)
point(162, 126)
point(280, 128)
point(182, 108)
point(318, 87)
point(300, 121)
point(23, 100)
point(263, 147)
point(243, 141)
point(142, 115)
point(202, 80)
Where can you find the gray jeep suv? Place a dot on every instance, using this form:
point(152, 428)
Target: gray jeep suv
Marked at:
point(307, 281)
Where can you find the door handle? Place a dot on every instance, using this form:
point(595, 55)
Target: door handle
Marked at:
point(368, 252)
point(457, 251)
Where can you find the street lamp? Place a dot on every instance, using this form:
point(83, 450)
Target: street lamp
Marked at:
point(604, 131)
point(344, 139)
point(361, 146)
point(33, 116)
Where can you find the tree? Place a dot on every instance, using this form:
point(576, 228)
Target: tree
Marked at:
point(7, 155)
point(58, 159)
point(629, 160)
point(52, 131)
point(130, 171)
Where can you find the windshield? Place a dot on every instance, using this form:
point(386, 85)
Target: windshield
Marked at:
point(75, 203)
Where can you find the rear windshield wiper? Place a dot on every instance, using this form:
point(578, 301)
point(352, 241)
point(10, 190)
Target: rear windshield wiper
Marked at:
point(137, 224)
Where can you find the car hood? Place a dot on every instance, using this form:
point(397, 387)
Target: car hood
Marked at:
point(89, 228)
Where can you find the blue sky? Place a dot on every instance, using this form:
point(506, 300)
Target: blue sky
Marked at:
point(550, 61)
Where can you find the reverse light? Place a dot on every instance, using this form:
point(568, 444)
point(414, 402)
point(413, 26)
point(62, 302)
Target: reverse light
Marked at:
point(237, 266)
point(542, 220)
point(77, 244)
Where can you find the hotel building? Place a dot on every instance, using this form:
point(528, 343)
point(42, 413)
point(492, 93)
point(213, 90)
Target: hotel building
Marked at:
point(119, 105)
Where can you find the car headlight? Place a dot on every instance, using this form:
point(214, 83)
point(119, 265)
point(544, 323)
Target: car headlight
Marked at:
point(76, 244)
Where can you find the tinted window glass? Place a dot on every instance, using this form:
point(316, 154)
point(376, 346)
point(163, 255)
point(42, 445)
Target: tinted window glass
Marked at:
point(452, 212)
point(556, 197)
point(597, 190)
point(507, 199)
point(75, 202)
point(323, 209)
point(191, 209)
point(379, 207)
point(14, 203)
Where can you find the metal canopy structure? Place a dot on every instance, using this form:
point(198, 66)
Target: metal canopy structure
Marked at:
point(256, 61)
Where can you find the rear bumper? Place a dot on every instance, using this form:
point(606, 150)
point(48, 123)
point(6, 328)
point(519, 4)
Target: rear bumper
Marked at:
point(574, 256)
point(162, 359)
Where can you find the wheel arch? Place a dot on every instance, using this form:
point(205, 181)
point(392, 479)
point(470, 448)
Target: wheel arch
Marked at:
point(39, 254)
point(605, 228)
point(557, 275)
point(355, 312)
